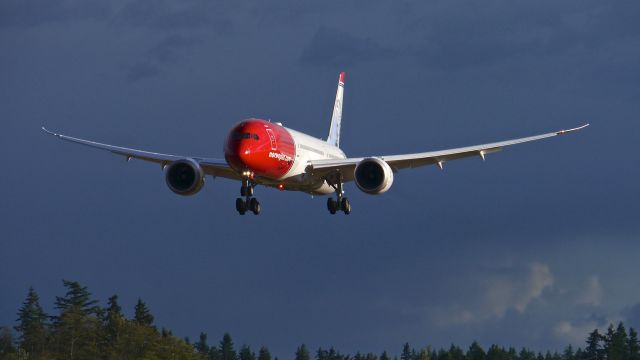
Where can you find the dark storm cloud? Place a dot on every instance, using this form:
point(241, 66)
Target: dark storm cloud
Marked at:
point(515, 250)
point(466, 34)
point(141, 71)
point(334, 48)
point(162, 14)
point(20, 13)
point(168, 50)
point(633, 316)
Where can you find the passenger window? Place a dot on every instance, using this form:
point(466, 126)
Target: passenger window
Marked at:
point(255, 136)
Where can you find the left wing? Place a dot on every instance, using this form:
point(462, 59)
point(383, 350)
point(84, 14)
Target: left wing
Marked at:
point(215, 167)
point(397, 162)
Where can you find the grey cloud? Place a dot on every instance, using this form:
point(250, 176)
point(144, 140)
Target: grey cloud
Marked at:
point(500, 292)
point(464, 34)
point(168, 49)
point(335, 48)
point(141, 71)
point(592, 292)
point(173, 15)
point(20, 13)
point(633, 316)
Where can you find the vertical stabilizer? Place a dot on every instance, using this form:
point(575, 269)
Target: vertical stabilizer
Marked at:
point(336, 118)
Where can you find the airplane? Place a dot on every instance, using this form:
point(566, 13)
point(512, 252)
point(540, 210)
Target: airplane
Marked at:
point(261, 152)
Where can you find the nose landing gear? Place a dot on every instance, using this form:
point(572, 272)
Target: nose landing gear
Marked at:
point(249, 203)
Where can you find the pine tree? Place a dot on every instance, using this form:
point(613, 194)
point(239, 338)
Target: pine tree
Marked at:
point(568, 354)
point(384, 356)
point(633, 345)
point(201, 345)
point(548, 355)
point(76, 325)
point(594, 350)
point(32, 325)
point(497, 353)
point(246, 353)
point(302, 353)
point(617, 343)
point(226, 348)
point(114, 321)
point(526, 354)
point(214, 353)
point(476, 352)
point(113, 326)
point(407, 352)
point(6, 342)
point(264, 354)
point(142, 314)
point(456, 353)
point(423, 354)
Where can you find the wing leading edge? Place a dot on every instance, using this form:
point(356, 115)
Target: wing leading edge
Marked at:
point(398, 162)
point(215, 167)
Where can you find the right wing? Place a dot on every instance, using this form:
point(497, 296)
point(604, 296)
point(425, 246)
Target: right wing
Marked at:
point(397, 162)
point(214, 167)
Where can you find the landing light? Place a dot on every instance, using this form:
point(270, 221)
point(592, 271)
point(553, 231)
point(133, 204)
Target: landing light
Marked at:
point(280, 187)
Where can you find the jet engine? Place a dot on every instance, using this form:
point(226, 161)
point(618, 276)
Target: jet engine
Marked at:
point(373, 176)
point(184, 177)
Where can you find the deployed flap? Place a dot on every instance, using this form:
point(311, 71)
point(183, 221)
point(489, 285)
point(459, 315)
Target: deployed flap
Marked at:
point(336, 117)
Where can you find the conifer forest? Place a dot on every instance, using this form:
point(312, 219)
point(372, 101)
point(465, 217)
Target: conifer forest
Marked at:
point(81, 329)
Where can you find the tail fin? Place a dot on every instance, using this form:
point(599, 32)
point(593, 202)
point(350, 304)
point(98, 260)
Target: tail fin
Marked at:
point(336, 118)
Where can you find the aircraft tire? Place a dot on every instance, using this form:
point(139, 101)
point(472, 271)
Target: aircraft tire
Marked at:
point(241, 206)
point(332, 205)
point(345, 206)
point(254, 206)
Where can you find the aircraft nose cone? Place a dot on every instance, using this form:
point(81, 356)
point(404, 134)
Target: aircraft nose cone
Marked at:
point(247, 155)
point(244, 152)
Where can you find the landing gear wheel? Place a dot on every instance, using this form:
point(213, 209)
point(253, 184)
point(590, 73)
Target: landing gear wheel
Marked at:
point(254, 206)
point(241, 206)
point(332, 205)
point(345, 206)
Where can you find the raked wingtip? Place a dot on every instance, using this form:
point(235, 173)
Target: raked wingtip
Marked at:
point(48, 131)
point(561, 132)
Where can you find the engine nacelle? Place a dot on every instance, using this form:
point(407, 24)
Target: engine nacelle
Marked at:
point(184, 177)
point(373, 176)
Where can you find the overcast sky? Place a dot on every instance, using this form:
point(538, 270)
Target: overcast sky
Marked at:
point(534, 247)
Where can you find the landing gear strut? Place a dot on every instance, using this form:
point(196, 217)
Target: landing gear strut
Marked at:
point(341, 202)
point(249, 203)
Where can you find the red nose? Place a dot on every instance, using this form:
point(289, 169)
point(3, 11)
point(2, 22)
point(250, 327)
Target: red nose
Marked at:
point(247, 154)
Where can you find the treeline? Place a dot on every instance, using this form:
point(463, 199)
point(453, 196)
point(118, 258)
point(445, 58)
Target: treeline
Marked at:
point(83, 330)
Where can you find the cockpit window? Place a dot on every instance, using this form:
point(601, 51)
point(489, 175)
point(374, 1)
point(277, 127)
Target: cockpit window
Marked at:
point(239, 136)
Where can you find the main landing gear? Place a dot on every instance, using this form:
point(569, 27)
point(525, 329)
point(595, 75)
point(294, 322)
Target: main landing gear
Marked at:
point(248, 203)
point(341, 202)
